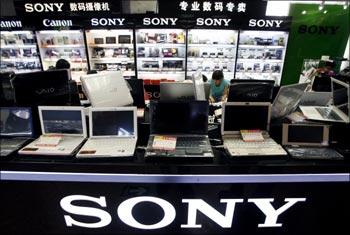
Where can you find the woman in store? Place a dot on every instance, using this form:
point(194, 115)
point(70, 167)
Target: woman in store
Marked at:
point(219, 87)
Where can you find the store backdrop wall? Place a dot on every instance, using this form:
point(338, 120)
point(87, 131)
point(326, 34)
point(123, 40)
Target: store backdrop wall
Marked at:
point(314, 34)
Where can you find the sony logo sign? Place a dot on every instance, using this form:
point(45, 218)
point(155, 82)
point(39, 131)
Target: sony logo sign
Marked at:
point(318, 29)
point(265, 23)
point(43, 7)
point(107, 21)
point(55, 23)
point(70, 204)
point(45, 91)
point(212, 22)
point(159, 21)
point(10, 23)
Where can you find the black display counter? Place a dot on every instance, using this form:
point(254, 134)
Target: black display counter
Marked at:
point(248, 195)
point(132, 196)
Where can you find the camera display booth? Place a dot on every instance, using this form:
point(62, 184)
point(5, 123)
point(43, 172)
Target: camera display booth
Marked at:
point(203, 192)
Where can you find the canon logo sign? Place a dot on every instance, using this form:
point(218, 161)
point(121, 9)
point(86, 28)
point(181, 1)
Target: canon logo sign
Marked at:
point(70, 205)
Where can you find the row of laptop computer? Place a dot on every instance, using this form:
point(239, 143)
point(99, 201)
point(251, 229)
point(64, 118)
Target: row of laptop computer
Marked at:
point(194, 122)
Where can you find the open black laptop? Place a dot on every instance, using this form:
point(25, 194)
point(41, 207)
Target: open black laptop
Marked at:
point(251, 91)
point(16, 129)
point(187, 121)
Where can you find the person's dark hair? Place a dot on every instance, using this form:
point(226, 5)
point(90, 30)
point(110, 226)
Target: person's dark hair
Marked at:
point(217, 75)
point(62, 64)
point(205, 79)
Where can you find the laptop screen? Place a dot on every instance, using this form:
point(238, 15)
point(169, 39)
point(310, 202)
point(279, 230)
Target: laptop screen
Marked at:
point(246, 117)
point(341, 96)
point(62, 122)
point(305, 134)
point(16, 122)
point(113, 123)
point(179, 117)
point(177, 91)
point(42, 88)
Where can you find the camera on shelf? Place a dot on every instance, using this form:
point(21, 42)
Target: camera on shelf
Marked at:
point(263, 41)
point(153, 52)
point(124, 39)
point(172, 65)
point(170, 52)
point(150, 65)
point(141, 52)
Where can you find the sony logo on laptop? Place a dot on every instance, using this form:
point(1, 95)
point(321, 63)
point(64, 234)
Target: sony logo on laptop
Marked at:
point(107, 21)
point(55, 23)
point(70, 204)
point(159, 21)
point(10, 24)
point(43, 7)
point(49, 90)
point(265, 23)
point(212, 22)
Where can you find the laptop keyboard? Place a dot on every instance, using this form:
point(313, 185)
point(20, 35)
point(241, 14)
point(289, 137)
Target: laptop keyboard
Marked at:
point(237, 147)
point(238, 143)
point(328, 113)
point(111, 142)
point(314, 153)
point(191, 142)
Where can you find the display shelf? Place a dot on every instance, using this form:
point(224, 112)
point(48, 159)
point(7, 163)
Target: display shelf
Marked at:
point(17, 46)
point(211, 58)
point(22, 70)
point(161, 71)
point(113, 59)
point(19, 59)
point(257, 73)
point(160, 44)
point(64, 46)
point(160, 58)
point(211, 45)
point(117, 45)
point(261, 46)
point(260, 60)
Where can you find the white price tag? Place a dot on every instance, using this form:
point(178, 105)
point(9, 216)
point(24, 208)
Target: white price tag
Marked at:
point(49, 140)
point(164, 143)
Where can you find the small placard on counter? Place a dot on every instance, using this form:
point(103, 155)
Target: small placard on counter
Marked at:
point(252, 136)
point(164, 143)
point(140, 113)
point(49, 140)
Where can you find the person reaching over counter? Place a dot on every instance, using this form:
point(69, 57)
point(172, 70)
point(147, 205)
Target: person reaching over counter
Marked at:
point(219, 87)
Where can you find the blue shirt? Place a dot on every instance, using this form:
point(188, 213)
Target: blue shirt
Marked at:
point(218, 91)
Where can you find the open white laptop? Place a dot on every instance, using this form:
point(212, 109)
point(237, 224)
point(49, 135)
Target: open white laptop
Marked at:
point(239, 116)
point(113, 133)
point(63, 131)
point(107, 89)
point(338, 111)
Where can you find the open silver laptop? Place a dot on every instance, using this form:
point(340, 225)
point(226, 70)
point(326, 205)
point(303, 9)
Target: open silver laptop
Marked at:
point(113, 133)
point(239, 116)
point(316, 98)
point(338, 111)
point(170, 91)
point(308, 141)
point(67, 124)
point(287, 99)
point(185, 121)
point(16, 129)
point(107, 89)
